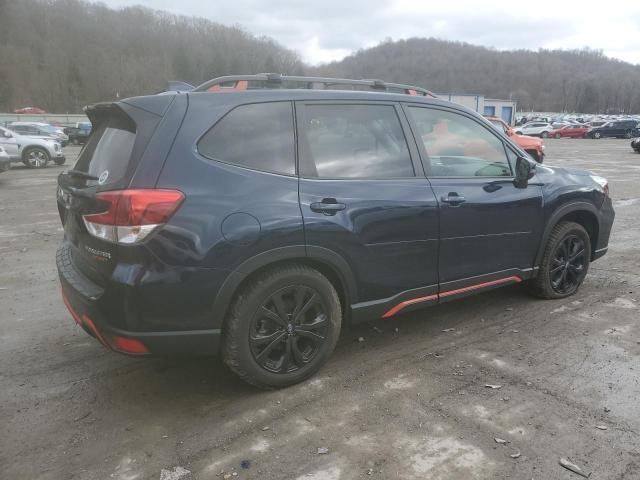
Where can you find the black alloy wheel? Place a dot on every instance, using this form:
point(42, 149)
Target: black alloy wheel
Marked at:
point(282, 326)
point(288, 329)
point(564, 264)
point(568, 265)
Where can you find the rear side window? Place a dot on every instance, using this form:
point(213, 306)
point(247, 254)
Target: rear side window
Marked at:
point(353, 141)
point(257, 136)
point(108, 151)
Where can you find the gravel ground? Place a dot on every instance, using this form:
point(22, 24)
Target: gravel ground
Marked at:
point(408, 402)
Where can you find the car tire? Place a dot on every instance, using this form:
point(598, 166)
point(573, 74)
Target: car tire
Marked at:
point(75, 141)
point(565, 262)
point(263, 340)
point(557, 135)
point(35, 157)
point(544, 134)
point(597, 135)
point(59, 161)
point(627, 134)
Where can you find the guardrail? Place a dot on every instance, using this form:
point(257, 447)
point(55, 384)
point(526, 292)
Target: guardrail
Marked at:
point(51, 118)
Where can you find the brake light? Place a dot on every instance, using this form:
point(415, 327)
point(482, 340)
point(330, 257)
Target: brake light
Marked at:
point(131, 215)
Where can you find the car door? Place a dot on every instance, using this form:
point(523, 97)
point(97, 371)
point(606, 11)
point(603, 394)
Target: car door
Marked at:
point(10, 143)
point(364, 196)
point(489, 229)
point(536, 128)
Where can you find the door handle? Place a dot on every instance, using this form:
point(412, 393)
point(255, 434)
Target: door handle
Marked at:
point(328, 206)
point(453, 199)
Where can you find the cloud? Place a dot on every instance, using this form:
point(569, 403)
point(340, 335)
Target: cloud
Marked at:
point(331, 29)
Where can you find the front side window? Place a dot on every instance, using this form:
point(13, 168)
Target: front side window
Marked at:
point(457, 146)
point(257, 136)
point(353, 141)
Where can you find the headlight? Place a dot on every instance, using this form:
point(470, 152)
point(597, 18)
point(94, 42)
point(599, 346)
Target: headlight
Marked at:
point(602, 182)
point(543, 146)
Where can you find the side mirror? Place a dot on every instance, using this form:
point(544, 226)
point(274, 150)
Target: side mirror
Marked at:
point(524, 171)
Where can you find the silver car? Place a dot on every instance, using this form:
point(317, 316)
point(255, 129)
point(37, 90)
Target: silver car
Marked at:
point(40, 130)
point(5, 161)
point(34, 152)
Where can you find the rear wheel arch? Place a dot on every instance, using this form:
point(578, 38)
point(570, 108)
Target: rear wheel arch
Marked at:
point(326, 262)
point(584, 214)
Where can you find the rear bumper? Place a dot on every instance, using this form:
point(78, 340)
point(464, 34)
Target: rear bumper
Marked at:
point(83, 300)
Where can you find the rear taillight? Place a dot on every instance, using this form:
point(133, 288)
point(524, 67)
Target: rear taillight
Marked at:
point(131, 215)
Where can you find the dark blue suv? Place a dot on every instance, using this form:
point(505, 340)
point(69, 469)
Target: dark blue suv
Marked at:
point(256, 216)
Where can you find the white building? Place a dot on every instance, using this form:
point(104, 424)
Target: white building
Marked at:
point(505, 109)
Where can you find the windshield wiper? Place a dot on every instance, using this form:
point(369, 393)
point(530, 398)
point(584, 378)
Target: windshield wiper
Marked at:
point(79, 174)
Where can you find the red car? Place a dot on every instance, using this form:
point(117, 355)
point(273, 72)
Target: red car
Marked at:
point(31, 110)
point(570, 131)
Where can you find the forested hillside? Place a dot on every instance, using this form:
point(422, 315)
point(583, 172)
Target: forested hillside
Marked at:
point(63, 54)
point(575, 81)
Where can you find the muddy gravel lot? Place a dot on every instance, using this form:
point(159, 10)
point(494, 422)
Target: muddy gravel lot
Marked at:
point(410, 401)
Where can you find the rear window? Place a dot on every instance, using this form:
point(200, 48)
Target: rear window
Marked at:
point(108, 151)
point(257, 136)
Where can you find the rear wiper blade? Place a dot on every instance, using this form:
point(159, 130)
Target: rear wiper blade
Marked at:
point(79, 174)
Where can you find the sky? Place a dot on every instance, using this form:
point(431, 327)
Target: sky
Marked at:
point(327, 30)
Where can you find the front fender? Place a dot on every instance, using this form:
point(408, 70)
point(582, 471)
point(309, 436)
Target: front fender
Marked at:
point(557, 215)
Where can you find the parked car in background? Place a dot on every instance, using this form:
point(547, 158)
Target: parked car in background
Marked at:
point(34, 152)
point(616, 129)
point(5, 160)
point(532, 145)
point(30, 110)
point(635, 144)
point(79, 134)
point(569, 131)
point(40, 130)
point(202, 222)
point(535, 129)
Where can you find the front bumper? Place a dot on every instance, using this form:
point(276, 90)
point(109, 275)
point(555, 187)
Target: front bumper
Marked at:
point(83, 299)
point(607, 216)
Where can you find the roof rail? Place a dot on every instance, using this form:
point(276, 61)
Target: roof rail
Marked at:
point(234, 83)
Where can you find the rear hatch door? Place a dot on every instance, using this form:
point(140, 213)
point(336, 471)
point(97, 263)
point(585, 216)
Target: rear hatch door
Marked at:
point(108, 162)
